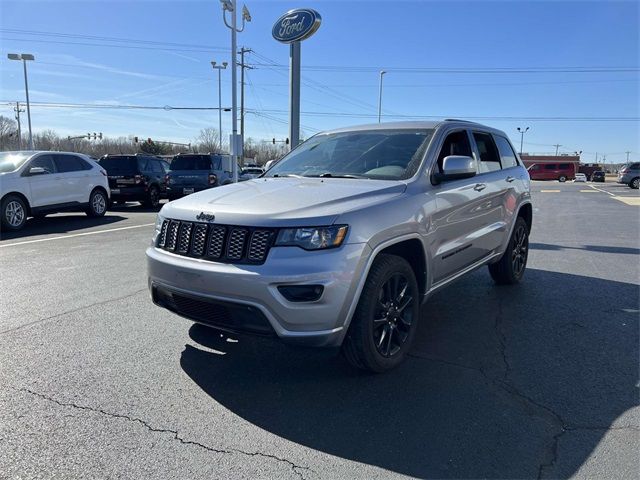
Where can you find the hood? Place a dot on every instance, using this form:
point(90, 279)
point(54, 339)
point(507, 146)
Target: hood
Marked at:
point(284, 202)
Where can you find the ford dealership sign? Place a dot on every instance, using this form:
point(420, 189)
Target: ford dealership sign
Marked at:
point(296, 25)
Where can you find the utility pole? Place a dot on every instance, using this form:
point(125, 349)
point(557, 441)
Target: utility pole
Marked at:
point(627, 152)
point(18, 111)
point(522, 132)
point(382, 72)
point(557, 145)
point(242, 51)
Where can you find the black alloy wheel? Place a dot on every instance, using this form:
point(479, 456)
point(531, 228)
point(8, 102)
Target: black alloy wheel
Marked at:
point(394, 316)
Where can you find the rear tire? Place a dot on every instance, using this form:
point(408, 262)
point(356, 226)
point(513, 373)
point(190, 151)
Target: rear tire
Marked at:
point(510, 268)
point(97, 204)
point(386, 318)
point(153, 199)
point(562, 179)
point(14, 213)
point(635, 183)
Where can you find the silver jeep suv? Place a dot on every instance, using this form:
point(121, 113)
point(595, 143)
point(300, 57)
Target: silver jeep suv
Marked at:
point(341, 242)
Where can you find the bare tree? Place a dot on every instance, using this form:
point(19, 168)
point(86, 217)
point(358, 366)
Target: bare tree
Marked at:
point(208, 140)
point(8, 133)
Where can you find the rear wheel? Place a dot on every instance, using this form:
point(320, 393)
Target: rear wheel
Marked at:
point(97, 204)
point(14, 212)
point(511, 266)
point(153, 199)
point(385, 321)
point(635, 183)
point(562, 178)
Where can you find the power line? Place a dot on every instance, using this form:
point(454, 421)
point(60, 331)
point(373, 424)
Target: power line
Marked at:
point(112, 106)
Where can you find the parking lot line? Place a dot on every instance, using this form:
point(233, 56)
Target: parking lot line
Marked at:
point(76, 235)
point(588, 191)
point(629, 200)
point(601, 190)
point(550, 191)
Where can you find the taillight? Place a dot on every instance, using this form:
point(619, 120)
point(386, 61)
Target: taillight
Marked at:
point(139, 179)
point(212, 179)
point(103, 172)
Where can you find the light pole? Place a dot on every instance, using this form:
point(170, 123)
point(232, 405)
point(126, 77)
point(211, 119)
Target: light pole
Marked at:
point(219, 68)
point(24, 57)
point(522, 132)
point(236, 143)
point(382, 72)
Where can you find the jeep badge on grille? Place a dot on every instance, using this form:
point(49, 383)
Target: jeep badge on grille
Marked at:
point(208, 217)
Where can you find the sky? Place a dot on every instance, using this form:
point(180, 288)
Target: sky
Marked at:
point(567, 70)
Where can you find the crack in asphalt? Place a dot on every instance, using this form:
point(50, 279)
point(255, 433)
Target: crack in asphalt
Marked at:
point(296, 469)
point(502, 340)
point(35, 322)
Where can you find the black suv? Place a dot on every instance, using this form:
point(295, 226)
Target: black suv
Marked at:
point(135, 178)
point(598, 176)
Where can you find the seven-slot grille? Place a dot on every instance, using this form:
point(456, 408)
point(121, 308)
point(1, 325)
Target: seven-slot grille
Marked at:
point(220, 243)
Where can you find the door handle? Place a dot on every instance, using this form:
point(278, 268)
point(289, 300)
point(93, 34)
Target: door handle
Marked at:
point(479, 187)
point(510, 179)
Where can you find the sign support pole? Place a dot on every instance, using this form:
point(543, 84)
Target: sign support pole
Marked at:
point(294, 94)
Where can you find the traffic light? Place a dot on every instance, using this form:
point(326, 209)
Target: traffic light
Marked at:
point(274, 141)
point(287, 141)
point(135, 139)
point(149, 140)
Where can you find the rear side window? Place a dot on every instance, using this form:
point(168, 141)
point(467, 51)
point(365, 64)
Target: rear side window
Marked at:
point(156, 166)
point(565, 166)
point(69, 163)
point(634, 166)
point(144, 164)
point(119, 165)
point(489, 157)
point(191, 162)
point(507, 155)
point(550, 166)
point(43, 161)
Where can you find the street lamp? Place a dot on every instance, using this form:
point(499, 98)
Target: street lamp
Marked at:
point(24, 57)
point(382, 72)
point(236, 143)
point(522, 132)
point(219, 68)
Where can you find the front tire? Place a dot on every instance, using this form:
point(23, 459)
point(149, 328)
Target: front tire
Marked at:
point(635, 183)
point(562, 179)
point(153, 199)
point(97, 204)
point(386, 318)
point(14, 213)
point(511, 266)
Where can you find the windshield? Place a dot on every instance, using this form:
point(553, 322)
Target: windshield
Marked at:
point(11, 161)
point(119, 165)
point(375, 154)
point(191, 162)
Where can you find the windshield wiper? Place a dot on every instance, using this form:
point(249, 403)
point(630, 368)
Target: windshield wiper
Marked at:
point(293, 175)
point(337, 175)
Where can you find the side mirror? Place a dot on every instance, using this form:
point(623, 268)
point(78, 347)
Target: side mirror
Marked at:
point(455, 167)
point(37, 171)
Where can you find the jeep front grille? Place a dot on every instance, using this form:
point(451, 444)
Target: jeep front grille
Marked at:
point(220, 243)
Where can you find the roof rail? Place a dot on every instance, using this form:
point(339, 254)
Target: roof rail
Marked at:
point(458, 120)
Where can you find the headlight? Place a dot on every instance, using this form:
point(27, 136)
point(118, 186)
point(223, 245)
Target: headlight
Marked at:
point(159, 220)
point(312, 238)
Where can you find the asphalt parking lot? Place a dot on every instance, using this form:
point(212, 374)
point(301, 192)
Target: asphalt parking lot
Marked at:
point(539, 380)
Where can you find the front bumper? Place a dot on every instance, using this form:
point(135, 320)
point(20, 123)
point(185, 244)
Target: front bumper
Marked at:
point(245, 293)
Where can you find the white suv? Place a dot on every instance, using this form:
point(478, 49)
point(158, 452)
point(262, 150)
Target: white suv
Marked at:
point(34, 183)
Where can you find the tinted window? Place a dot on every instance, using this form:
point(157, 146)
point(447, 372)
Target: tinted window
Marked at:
point(143, 164)
point(155, 166)
point(43, 161)
point(550, 166)
point(507, 155)
point(191, 162)
point(489, 157)
point(565, 166)
point(456, 143)
point(68, 163)
point(634, 166)
point(125, 165)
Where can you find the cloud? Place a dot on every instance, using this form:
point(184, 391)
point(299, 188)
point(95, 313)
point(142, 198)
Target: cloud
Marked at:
point(184, 56)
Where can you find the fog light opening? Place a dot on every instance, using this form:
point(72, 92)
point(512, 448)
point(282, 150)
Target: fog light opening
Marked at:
point(301, 293)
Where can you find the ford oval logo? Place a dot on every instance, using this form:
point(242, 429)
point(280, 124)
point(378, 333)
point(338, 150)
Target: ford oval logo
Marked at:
point(296, 25)
point(208, 217)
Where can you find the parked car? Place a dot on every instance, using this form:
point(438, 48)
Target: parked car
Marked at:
point(135, 178)
point(598, 176)
point(36, 183)
point(580, 177)
point(194, 172)
point(630, 174)
point(252, 172)
point(341, 242)
point(552, 171)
